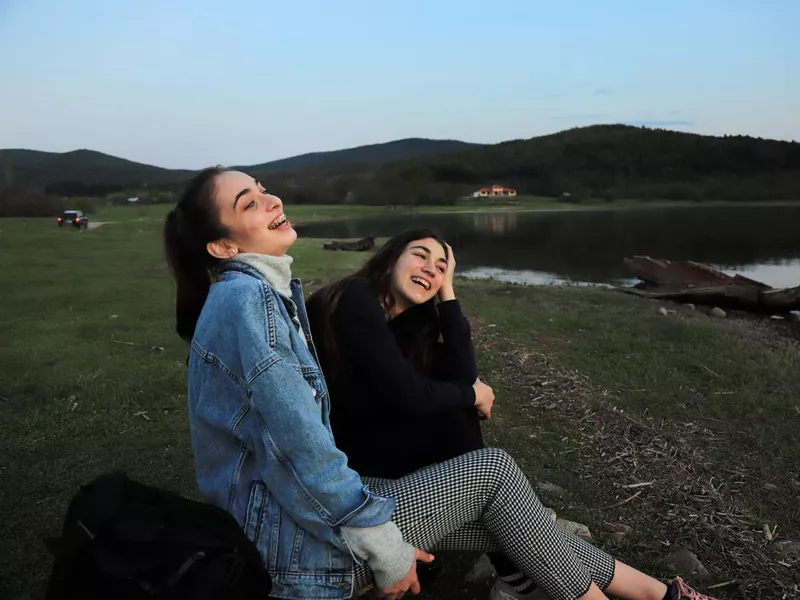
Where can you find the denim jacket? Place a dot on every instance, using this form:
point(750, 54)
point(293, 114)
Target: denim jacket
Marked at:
point(263, 447)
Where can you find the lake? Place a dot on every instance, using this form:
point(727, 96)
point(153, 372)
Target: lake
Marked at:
point(588, 246)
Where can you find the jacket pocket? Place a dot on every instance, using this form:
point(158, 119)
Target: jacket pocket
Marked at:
point(254, 518)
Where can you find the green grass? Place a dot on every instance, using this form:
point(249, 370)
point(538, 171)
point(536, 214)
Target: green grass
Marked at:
point(737, 378)
point(92, 377)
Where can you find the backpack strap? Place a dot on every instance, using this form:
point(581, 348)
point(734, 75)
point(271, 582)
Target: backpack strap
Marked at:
point(96, 503)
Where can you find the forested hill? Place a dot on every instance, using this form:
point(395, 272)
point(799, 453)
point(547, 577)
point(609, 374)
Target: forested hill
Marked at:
point(600, 161)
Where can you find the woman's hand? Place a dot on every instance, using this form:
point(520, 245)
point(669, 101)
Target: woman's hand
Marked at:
point(447, 291)
point(409, 583)
point(484, 398)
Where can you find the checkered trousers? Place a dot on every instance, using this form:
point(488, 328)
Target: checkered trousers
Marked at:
point(481, 501)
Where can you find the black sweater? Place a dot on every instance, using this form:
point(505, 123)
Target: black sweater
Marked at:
point(387, 416)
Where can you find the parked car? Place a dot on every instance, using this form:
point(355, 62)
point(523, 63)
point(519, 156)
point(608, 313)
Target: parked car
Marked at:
point(76, 218)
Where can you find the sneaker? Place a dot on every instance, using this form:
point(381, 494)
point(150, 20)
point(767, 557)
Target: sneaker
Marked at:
point(678, 590)
point(503, 591)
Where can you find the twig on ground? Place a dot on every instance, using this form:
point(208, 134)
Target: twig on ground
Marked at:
point(121, 342)
point(638, 485)
point(719, 585)
point(709, 370)
point(636, 495)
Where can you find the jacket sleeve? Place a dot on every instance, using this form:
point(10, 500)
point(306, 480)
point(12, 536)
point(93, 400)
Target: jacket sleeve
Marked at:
point(454, 358)
point(368, 349)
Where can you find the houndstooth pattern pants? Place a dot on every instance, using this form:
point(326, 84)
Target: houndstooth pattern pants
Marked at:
point(481, 501)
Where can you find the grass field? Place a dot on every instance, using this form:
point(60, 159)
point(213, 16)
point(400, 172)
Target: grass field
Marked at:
point(596, 391)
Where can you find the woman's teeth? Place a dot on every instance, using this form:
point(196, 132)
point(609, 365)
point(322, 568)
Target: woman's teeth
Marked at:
point(278, 222)
point(421, 282)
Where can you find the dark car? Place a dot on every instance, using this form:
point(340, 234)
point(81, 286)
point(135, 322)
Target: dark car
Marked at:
point(76, 218)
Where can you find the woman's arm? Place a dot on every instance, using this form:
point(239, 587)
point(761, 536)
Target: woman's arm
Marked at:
point(368, 349)
point(454, 357)
point(309, 476)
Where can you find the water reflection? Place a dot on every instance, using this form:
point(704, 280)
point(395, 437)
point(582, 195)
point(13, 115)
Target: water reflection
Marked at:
point(495, 223)
point(589, 246)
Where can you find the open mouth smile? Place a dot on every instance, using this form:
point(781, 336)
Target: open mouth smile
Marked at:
point(423, 283)
point(280, 222)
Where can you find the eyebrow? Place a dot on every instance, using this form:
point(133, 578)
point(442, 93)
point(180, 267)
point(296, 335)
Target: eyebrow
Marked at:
point(239, 195)
point(428, 250)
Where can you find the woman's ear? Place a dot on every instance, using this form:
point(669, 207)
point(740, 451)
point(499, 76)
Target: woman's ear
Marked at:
point(222, 249)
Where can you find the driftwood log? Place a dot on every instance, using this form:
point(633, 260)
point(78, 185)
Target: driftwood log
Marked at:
point(361, 245)
point(688, 281)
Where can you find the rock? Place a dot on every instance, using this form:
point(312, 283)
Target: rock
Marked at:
point(776, 317)
point(690, 306)
point(619, 531)
point(718, 312)
point(663, 311)
point(582, 531)
point(786, 548)
point(551, 489)
point(684, 563)
point(482, 570)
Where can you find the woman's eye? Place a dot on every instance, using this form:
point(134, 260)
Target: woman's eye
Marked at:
point(250, 204)
point(419, 255)
point(441, 270)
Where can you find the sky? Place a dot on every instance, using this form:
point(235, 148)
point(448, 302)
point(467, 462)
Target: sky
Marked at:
point(189, 83)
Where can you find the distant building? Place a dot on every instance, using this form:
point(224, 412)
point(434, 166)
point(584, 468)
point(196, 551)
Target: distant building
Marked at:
point(495, 190)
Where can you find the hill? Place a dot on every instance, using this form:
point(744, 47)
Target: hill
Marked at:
point(86, 168)
point(625, 161)
point(601, 161)
point(370, 156)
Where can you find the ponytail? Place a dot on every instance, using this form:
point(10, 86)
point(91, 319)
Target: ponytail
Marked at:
point(188, 228)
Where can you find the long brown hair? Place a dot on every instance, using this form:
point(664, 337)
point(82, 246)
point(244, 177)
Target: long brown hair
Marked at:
point(188, 228)
point(377, 274)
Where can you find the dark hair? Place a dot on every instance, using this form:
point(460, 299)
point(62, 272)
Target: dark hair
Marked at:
point(377, 274)
point(188, 228)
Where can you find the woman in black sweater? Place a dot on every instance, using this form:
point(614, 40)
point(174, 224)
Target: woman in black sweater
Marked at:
point(398, 357)
point(397, 354)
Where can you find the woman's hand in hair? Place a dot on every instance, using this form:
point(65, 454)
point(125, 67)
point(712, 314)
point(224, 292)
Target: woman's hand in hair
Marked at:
point(484, 398)
point(409, 583)
point(447, 291)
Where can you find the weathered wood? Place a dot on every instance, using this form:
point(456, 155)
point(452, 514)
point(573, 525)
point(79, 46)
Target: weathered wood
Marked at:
point(688, 281)
point(361, 245)
point(684, 274)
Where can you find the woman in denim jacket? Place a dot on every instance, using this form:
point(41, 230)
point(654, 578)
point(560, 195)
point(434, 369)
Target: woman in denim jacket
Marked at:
point(259, 419)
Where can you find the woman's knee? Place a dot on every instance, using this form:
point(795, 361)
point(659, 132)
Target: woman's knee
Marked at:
point(498, 461)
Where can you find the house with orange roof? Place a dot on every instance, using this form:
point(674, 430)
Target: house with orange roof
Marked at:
point(494, 190)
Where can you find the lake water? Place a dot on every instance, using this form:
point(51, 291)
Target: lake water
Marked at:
point(588, 246)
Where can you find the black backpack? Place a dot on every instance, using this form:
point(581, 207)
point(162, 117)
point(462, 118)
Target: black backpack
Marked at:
point(124, 540)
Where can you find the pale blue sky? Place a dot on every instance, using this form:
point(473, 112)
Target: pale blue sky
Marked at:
point(186, 83)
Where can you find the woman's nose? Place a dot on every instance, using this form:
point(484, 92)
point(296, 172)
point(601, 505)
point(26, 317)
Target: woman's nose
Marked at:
point(274, 203)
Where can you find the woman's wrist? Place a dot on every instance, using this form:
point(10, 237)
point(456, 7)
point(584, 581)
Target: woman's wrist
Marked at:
point(447, 293)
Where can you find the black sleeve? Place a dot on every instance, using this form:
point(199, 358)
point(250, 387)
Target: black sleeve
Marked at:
point(454, 358)
point(368, 349)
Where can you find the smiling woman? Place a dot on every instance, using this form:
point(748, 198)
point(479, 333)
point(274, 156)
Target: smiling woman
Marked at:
point(378, 334)
point(254, 219)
